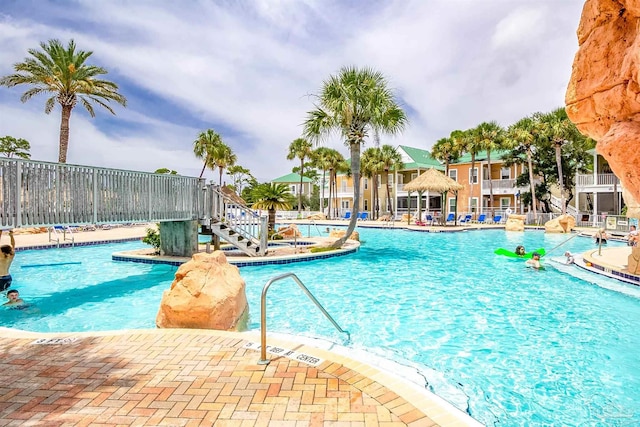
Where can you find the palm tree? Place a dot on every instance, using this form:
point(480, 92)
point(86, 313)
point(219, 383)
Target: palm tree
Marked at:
point(352, 103)
point(391, 160)
point(204, 146)
point(522, 134)
point(491, 138)
point(371, 167)
point(10, 146)
point(62, 73)
point(447, 150)
point(300, 148)
point(471, 143)
point(272, 197)
point(222, 156)
point(336, 163)
point(319, 159)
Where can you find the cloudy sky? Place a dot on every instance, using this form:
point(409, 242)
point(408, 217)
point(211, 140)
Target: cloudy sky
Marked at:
point(247, 69)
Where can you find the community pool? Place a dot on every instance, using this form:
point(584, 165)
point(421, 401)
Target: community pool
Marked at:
point(527, 347)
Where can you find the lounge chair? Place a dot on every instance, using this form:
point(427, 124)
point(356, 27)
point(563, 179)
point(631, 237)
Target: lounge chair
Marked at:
point(466, 219)
point(363, 216)
point(347, 215)
point(497, 219)
point(450, 218)
point(481, 219)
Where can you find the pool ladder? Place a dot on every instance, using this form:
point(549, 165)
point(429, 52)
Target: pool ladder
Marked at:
point(263, 313)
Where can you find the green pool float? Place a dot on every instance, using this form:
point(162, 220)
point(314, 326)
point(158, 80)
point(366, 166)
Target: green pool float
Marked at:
point(511, 254)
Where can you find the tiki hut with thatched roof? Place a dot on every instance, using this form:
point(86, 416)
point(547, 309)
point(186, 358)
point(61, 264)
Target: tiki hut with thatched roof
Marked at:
point(435, 181)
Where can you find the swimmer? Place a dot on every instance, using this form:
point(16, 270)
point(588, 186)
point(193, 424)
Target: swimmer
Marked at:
point(14, 298)
point(520, 250)
point(570, 258)
point(601, 236)
point(7, 253)
point(534, 261)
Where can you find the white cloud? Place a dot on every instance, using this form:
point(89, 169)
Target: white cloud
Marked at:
point(246, 68)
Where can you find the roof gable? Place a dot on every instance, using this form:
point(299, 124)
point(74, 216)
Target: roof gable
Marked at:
point(291, 178)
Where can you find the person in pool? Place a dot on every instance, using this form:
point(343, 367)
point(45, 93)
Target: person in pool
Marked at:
point(14, 298)
point(570, 258)
point(7, 253)
point(601, 236)
point(534, 261)
point(520, 250)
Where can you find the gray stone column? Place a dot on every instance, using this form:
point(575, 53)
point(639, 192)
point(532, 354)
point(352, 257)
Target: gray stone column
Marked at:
point(179, 238)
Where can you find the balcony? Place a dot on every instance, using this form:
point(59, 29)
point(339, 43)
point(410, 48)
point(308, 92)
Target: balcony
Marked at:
point(601, 179)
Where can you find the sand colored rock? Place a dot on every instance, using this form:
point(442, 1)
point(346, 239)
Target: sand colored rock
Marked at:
point(515, 223)
point(633, 262)
point(561, 224)
point(207, 293)
point(407, 217)
point(317, 216)
point(289, 231)
point(339, 233)
point(603, 96)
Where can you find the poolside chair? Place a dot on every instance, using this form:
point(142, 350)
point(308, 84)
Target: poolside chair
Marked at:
point(450, 218)
point(466, 219)
point(363, 216)
point(497, 219)
point(347, 215)
point(428, 219)
point(481, 219)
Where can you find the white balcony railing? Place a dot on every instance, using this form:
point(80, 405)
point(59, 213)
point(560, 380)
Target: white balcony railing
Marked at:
point(604, 179)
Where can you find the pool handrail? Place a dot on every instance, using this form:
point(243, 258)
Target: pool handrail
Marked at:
point(263, 313)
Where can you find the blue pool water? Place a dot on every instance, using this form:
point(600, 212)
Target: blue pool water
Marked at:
point(527, 347)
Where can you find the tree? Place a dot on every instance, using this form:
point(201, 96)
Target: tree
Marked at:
point(471, 143)
point(491, 137)
point(391, 160)
point(272, 197)
point(352, 103)
point(371, 167)
point(239, 176)
point(204, 146)
point(447, 150)
point(520, 138)
point(163, 171)
point(62, 73)
point(300, 148)
point(319, 159)
point(222, 156)
point(10, 146)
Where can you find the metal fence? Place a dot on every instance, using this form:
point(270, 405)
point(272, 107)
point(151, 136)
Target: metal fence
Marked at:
point(37, 194)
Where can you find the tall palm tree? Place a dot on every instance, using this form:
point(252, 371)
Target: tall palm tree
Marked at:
point(447, 150)
point(471, 143)
point(300, 148)
point(391, 160)
point(204, 145)
point(319, 158)
point(559, 129)
point(222, 157)
point(336, 164)
point(371, 167)
point(63, 74)
point(491, 138)
point(523, 134)
point(352, 103)
point(272, 197)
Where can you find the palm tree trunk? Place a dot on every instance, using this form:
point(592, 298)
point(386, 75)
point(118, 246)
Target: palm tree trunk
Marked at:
point(64, 133)
point(490, 183)
point(355, 169)
point(300, 189)
point(329, 214)
point(473, 166)
point(533, 187)
point(389, 206)
point(204, 166)
point(376, 196)
point(324, 174)
point(220, 168)
point(560, 177)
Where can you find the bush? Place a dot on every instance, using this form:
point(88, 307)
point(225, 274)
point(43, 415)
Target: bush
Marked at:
point(316, 250)
point(152, 238)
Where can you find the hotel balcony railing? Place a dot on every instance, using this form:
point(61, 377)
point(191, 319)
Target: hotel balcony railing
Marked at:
point(583, 180)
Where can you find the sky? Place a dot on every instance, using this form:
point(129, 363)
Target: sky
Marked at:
point(249, 69)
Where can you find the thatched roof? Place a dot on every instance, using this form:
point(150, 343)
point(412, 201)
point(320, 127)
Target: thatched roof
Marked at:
point(433, 180)
point(232, 195)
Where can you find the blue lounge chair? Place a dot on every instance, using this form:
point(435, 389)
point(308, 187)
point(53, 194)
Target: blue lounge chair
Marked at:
point(363, 216)
point(465, 219)
point(428, 219)
point(347, 215)
point(482, 218)
point(497, 219)
point(450, 218)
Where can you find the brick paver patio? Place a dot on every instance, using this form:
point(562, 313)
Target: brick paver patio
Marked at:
point(187, 378)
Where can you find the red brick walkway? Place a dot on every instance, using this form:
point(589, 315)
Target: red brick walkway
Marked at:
point(185, 378)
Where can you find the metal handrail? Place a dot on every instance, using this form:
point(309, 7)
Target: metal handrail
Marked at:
point(263, 313)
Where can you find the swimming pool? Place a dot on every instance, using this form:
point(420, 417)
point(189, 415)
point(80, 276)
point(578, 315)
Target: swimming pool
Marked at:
point(527, 347)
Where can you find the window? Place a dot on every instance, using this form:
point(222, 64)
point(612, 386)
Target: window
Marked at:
point(473, 204)
point(452, 204)
point(293, 188)
point(505, 202)
point(344, 204)
point(473, 176)
point(453, 174)
point(505, 173)
point(366, 204)
point(414, 175)
point(390, 179)
point(366, 183)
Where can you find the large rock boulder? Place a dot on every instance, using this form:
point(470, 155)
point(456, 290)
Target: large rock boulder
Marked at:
point(207, 293)
point(289, 231)
point(562, 224)
point(515, 223)
point(633, 261)
point(337, 234)
point(603, 96)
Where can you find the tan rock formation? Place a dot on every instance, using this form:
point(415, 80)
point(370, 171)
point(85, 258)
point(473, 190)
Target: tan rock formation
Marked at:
point(515, 223)
point(317, 216)
point(603, 96)
point(339, 233)
point(207, 293)
point(633, 262)
point(562, 224)
point(289, 231)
